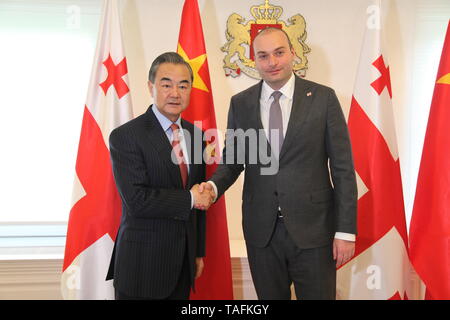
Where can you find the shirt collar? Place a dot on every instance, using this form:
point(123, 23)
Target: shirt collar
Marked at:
point(163, 121)
point(287, 90)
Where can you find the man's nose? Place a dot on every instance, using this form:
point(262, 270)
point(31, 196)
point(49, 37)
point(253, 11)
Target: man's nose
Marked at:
point(272, 60)
point(175, 91)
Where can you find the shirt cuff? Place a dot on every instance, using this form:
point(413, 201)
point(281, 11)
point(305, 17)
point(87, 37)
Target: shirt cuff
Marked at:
point(345, 236)
point(192, 199)
point(215, 189)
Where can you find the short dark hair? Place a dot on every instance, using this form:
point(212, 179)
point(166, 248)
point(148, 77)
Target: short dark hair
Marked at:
point(272, 29)
point(167, 57)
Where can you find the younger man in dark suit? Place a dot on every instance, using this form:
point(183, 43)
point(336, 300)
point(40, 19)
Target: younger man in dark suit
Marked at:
point(298, 224)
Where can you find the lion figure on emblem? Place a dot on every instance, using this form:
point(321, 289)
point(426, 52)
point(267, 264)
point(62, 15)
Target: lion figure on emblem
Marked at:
point(237, 34)
point(297, 34)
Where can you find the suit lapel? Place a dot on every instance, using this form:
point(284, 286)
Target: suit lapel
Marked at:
point(255, 111)
point(190, 146)
point(300, 108)
point(159, 139)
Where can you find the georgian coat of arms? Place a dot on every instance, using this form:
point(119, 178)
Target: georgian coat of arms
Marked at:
point(240, 34)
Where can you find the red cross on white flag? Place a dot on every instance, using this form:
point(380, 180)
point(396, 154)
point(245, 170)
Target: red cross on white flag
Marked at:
point(115, 74)
point(96, 206)
point(381, 267)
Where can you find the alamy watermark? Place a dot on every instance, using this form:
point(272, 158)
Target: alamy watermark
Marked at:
point(242, 147)
point(73, 20)
point(374, 18)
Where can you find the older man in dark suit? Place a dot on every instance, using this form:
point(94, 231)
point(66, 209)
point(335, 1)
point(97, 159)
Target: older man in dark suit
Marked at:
point(161, 239)
point(299, 208)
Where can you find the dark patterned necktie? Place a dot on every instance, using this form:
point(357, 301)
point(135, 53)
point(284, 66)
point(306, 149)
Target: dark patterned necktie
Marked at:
point(276, 124)
point(179, 153)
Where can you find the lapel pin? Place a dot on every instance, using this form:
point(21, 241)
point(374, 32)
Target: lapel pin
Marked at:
point(309, 94)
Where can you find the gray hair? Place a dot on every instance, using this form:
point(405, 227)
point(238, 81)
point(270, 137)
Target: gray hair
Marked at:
point(168, 57)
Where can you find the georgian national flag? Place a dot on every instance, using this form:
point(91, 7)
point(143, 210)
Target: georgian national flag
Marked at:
point(96, 206)
point(430, 223)
point(215, 282)
point(380, 268)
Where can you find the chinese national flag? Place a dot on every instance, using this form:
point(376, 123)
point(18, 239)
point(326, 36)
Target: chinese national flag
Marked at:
point(430, 223)
point(380, 268)
point(95, 215)
point(215, 283)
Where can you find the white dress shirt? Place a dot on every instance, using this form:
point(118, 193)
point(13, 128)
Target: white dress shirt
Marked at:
point(285, 103)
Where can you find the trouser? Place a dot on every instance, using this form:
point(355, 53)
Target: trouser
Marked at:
point(275, 267)
point(181, 291)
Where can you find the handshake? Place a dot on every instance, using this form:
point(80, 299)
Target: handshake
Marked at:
point(204, 195)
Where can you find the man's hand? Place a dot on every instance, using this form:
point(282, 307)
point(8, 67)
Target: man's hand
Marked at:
point(200, 265)
point(202, 200)
point(205, 186)
point(343, 251)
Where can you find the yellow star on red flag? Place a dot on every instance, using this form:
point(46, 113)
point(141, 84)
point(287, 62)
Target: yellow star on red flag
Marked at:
point(196, 63)
point(445, 79)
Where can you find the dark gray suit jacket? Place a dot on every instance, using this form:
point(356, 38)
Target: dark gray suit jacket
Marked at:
point(315, 185)
point(157, 225)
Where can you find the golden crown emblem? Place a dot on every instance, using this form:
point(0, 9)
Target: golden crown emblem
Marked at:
point(266, 13)
point(240, 33)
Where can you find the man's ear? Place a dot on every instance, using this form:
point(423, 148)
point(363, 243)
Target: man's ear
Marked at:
point(150, 87)
point(293, 51)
